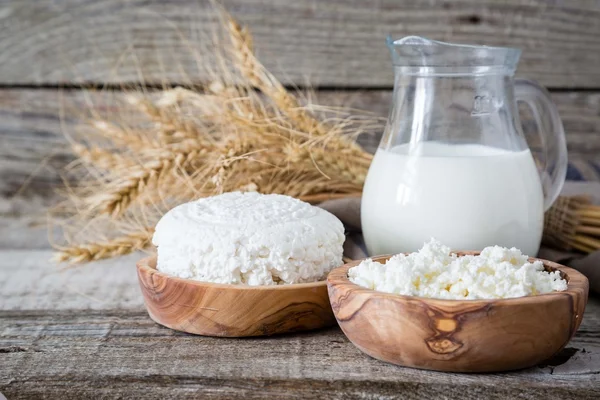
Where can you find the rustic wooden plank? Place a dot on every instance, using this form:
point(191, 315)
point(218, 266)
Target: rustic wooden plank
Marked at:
point(579, 111)
point(335, 43)
point(24, 232)
point(116, 353)
point(30, 281)
point(32, 148)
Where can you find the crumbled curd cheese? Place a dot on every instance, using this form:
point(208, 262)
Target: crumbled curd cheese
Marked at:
point(249, 238)
point(434, 272)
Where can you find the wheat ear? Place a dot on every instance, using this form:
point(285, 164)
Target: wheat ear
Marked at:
point(101, 158)
point(121, 135)
point(167, 115)
point(258, 76)
point(94, 251)
point(340, 167)
point(119, 195)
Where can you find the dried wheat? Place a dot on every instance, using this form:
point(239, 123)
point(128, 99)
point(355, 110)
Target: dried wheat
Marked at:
point(102, 158)
point(246, 132)
point(94, 251)
point(121, 193)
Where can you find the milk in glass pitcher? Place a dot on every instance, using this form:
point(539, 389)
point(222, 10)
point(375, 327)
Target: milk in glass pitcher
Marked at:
point(453, 162)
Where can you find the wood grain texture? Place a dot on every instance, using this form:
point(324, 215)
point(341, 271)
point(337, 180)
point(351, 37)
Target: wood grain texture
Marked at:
point(77, 344)
point(212, 309)
point(579, 112)
point(29, 281)
point(32, 147)
point(123, 354)
point(458, 336)
point(334, 43)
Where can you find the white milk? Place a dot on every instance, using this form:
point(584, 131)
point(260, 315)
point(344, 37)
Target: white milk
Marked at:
point(466, 196)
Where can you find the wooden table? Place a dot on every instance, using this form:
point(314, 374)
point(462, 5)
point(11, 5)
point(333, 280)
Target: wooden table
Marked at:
point(83, 333)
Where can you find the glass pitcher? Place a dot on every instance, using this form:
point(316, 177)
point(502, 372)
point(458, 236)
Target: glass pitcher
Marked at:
point(453, 163)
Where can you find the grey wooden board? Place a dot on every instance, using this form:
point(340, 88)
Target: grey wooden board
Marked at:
point(115, 353)
point(30, 281)
point(83, 332)
point(23, 222)
point(23, 233)
point(32, 147)
point(334, 43)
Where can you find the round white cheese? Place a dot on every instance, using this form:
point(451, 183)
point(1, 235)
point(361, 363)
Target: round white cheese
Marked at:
point(249, 238)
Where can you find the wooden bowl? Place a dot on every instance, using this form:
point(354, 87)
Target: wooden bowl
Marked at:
point(213, 309)
point(458, 335)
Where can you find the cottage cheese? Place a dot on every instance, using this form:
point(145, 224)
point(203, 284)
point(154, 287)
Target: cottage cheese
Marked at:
point(249, 238)
point(433, 271)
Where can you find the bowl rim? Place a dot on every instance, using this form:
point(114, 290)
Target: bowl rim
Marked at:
point(148, 264)
point(576, 282)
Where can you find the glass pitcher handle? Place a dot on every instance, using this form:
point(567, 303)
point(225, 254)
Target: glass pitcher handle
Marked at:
point(550, 128)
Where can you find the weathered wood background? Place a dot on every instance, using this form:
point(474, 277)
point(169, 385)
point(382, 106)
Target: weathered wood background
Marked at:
point(50, 49)
point(336, 43)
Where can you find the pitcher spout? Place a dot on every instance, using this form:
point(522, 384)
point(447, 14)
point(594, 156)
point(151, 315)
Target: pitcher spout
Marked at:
point(419, 55)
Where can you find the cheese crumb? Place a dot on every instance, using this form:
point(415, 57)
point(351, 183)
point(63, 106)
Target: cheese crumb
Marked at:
point(435, 272)
point(249, 238)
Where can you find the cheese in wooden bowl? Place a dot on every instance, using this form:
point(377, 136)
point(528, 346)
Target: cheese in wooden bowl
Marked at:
point(458, 311)
point(242, 264)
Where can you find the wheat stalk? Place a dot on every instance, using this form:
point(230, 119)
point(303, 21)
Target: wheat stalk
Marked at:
point(121, 193)
point(166, 115)
point(339, 166)
point(95, 251)
point(245, 132)
point(258, 76)
point(573, 222)
point(101, 158)
point(120, 135)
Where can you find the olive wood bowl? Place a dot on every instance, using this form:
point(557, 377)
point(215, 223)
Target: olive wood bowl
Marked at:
point(458, 335)
point(213, 309)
